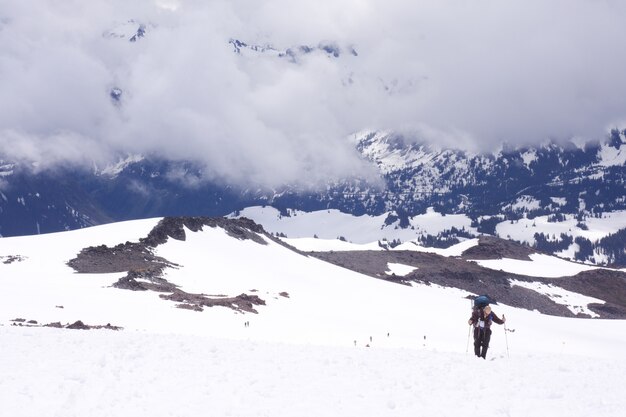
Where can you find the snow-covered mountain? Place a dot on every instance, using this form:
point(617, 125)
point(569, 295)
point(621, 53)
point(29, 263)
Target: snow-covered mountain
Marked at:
point(243, 324)
point(292, 54)
point(555, 191)
point(550, 178)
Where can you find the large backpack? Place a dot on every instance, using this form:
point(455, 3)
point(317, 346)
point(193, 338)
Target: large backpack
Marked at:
point(483, 301)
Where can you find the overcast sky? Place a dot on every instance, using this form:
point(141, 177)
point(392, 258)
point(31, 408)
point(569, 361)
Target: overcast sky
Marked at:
point(454, 72)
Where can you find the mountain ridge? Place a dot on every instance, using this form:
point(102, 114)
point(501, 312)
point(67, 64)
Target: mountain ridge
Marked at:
point(511, 184)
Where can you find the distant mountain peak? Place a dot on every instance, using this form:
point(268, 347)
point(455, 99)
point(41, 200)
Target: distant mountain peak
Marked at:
point(293, 53)
point(130, 30)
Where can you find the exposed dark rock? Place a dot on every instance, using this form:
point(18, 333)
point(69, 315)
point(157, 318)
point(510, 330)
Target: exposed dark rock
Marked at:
point(129, 283)
point(490, 247)
point(11, 258)
point(120, 258)
point(173, 227)
point(242, 302)
point(108, 326)
point(608, 310)
point(153, 274)
point(78, 325)
point(604, 284)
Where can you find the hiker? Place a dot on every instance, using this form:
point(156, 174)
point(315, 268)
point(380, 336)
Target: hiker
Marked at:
point(481, 320)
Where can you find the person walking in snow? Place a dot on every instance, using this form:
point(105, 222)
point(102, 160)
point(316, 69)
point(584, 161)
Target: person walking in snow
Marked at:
point(481, 320)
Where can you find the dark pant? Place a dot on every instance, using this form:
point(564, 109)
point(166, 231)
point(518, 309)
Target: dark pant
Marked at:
point(481, 340)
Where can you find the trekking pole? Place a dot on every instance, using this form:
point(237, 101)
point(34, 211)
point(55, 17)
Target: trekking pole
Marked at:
point(469, 330)
point(506, 338)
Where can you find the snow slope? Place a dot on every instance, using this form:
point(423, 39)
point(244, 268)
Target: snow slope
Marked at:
point(49, 372)
point(540, 265)
point(303, 354)
point(523, 230)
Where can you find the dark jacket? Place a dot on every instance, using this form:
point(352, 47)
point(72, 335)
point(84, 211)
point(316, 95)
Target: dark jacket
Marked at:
point(478, 314)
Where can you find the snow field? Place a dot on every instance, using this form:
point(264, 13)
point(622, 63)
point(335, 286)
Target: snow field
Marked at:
point(524, 230)
point(331, 224)
point(53, 372)
point(43, 288)
point(399, 269)
point(325, 303)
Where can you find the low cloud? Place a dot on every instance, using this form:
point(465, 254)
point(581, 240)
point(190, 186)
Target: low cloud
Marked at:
point(468, 74)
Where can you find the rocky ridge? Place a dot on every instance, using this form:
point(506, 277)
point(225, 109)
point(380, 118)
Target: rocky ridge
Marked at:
point(145, 270)
point(460, 272)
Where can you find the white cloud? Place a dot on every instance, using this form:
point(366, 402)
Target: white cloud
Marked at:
point(466, 73)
